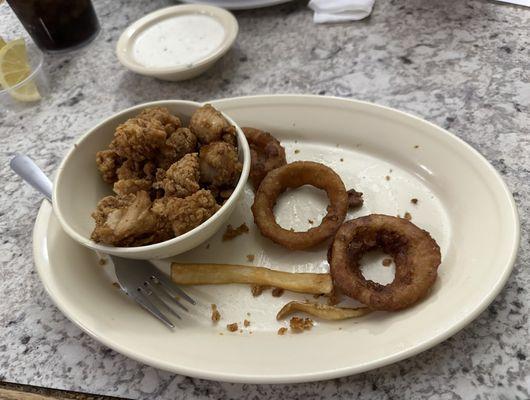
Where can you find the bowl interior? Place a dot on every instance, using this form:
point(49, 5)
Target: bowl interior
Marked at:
point(78, 185)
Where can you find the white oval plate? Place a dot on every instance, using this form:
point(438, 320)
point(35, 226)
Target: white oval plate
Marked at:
point(239, 4)
point(463, 202)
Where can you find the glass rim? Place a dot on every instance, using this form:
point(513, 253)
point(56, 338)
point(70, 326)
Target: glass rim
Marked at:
point(31, 48)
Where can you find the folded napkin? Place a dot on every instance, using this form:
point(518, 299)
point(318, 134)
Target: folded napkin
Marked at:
point(340, 10)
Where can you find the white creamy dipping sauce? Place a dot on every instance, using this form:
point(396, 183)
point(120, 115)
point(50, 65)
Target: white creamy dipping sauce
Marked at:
point(179, 40)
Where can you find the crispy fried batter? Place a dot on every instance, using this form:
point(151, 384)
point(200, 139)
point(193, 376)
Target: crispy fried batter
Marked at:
point(415, 253)
point(124, 220)
point(136, 170)
point(266, 154)
point(219, 164)
point(169, 121)
point(232, 327)
point(178, 144)
point(184, 214)
point(138, 139)
point(181, 179)
point(355, 198)
point(209, 125)
point(232, 232)
point(299, 325)
point(153, 157)
point(127, 186)
point(216, 315)
point(108, 162)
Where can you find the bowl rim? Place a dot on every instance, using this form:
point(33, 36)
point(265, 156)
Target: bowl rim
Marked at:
point(136, 250)
point(224, 17)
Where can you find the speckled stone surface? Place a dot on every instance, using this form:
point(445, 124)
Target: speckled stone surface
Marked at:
point(462, 65)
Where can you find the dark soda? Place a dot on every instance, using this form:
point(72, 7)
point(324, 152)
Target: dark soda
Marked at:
point(56, 25)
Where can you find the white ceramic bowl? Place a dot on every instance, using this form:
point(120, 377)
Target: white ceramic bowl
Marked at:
point(124, 47)
point(78, 187)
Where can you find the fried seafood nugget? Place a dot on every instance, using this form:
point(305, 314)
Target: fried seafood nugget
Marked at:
point(181, 179)
point(219, 164)
point(128, 186)
point(125, 220)
point(136, 170)
point(108, 162)
point(209, 125)
point(184, 214)
point(178, 144)
point(138, 139)
point(169, 121)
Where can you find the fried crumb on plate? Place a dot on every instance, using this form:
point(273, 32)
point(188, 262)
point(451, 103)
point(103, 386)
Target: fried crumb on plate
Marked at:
point(310, 221)
point(277, 292)
point(387, 262)
point(257, 290)
point(407, 216)
point(216, 315)
point(116, 285)
point(232, 232)
point(387, 177)
point(282, 331)
point(414, 200)
point(246, 323)
point(416, 146)
point(102, 261)
point(296, 151)
point(298, 324)
point(250, 257)
point(232, 327)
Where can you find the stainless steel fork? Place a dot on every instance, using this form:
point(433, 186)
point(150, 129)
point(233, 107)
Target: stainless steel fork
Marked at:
point(149, 287)
point(139, 279)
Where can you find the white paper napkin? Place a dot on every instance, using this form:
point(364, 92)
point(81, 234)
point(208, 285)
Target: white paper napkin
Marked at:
point(340, 10)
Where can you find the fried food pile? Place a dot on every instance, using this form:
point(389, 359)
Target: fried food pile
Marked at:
point(415, 253)
point(167, 178)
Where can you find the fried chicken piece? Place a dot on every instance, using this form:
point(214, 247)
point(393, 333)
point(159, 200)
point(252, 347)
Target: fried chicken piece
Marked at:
point(108, 162)
point(219, 164)
point(127, 186)
point(209, 125)
point(181, 179)
point(125, 220)
point(178, 144)
point(138, 139)
point(136, 170)
point(169, 121)
point(184, 214)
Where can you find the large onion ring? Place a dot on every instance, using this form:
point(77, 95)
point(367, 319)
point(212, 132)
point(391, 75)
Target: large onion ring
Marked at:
point(266, 154)
point(294, 175)
point(416, 255)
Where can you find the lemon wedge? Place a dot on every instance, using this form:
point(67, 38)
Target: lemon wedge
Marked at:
point(14, 68)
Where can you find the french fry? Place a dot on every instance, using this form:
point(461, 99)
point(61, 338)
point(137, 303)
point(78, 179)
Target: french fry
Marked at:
point(321, 311)
point(218, 274)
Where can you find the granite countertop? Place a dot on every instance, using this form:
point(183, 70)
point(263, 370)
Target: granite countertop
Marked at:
point(461, 65)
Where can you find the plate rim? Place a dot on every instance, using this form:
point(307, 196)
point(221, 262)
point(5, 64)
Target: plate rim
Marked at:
point(40, 253)
point(234, 6)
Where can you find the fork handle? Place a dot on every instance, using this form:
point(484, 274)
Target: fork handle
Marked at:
point(26, 168)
